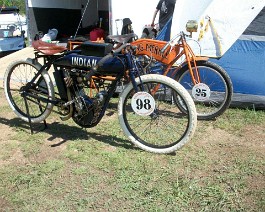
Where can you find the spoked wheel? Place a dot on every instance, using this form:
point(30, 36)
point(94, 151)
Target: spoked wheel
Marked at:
point(213, 95)
point(17, 75)
point(151, 120)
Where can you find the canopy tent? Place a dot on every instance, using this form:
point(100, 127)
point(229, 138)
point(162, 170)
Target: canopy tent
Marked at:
point(221, 24)
point(65, 15)
point(245, 63)
point(233, 34)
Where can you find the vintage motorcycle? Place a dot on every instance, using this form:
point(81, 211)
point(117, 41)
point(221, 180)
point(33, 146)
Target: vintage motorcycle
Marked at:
point(83, 83)
point(208, 83)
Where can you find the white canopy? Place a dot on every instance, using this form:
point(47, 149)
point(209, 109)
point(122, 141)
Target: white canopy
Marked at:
point(221, 22)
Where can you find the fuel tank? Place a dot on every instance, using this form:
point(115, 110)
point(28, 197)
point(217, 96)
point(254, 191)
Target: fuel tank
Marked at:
point(78, 61)
point(107, 65)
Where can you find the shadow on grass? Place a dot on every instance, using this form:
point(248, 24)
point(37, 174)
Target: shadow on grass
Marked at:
point(67, 133)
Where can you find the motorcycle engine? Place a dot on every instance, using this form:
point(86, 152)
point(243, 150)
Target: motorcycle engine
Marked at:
point(84, 110)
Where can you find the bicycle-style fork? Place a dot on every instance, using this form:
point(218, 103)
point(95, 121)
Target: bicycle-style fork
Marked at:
point(190, 60)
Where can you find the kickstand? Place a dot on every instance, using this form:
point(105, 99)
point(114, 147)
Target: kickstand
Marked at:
point(44, 122)
point(27, 109)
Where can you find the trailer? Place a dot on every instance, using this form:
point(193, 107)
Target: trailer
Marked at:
point(79, 17)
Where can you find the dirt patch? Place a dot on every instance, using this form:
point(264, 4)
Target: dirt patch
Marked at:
point(5, 61)
point(15, 156)
point(4, 205)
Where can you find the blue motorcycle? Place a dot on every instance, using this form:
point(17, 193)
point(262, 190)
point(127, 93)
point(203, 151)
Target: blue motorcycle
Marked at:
point(80, 83)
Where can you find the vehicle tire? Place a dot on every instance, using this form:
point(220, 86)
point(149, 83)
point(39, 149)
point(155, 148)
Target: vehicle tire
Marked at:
point(164, 130)
point(16, 76)
point(218, 89)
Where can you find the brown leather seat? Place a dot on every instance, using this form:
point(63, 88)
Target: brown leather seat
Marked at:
point(47, 48)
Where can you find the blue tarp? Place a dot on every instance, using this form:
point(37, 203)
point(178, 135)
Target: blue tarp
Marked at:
point(245, 64)
point(164, 34)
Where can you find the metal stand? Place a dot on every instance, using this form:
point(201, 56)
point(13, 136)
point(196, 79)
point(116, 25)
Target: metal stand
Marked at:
point(29, 118)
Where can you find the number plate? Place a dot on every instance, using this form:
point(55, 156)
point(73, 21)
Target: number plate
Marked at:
point(143, 103)
point(201, 92)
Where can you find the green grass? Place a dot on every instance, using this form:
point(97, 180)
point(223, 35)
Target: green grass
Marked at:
point(236, 119)
point(66, 168)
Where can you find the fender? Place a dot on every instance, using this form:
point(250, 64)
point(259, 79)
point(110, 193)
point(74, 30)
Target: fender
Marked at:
point(197, 58)
point(200, 58)
point(34, 62)
point(38, 66)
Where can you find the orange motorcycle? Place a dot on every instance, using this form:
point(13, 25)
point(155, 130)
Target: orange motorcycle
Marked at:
point(208, 83)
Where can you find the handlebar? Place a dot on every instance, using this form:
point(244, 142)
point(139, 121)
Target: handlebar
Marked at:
point(171, 42)
point(165, 47)
point(118, 50)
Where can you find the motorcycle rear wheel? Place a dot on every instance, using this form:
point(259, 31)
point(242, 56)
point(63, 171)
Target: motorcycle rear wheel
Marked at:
point(16, 77)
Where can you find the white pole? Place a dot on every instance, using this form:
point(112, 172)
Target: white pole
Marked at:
point(28, 21)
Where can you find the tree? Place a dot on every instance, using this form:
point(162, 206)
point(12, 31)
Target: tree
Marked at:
point(18, 3)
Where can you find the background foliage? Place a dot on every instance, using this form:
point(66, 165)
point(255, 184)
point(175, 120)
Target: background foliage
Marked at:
point(19, 3)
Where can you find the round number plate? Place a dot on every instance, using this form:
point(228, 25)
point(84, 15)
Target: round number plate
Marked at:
point(143, 103)
point(201, 92)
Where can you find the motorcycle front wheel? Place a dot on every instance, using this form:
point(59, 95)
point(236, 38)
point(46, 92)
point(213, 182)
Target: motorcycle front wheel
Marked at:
point(214, 93)
point(152, 120)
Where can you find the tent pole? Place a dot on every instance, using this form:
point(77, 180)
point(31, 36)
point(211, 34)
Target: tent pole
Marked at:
point(81, 19)
point(110, 17)
point(28, 21)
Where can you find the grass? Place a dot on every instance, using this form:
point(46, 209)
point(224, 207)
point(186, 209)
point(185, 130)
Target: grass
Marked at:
point(66, 168)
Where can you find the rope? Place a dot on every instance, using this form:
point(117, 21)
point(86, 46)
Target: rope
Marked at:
point(81, 19)
point(216, 37)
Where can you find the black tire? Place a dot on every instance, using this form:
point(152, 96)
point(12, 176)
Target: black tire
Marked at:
point(219, 83)
point(164, 130)
point(17, 75)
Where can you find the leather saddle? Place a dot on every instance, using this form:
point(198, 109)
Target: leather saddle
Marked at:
point(47, 48)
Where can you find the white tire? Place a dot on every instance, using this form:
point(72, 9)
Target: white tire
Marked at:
point(135, 126)
point(16, 76)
